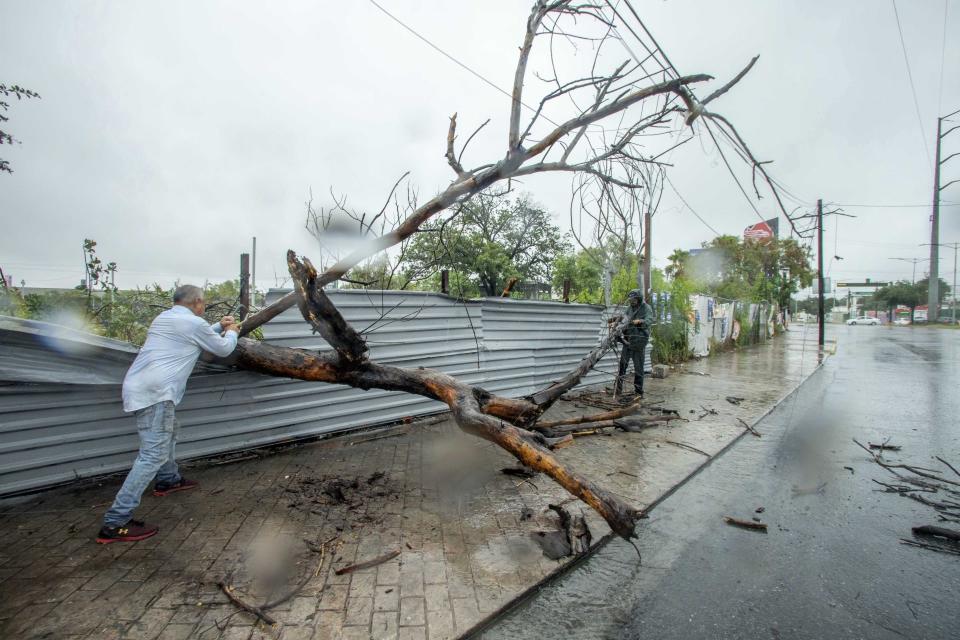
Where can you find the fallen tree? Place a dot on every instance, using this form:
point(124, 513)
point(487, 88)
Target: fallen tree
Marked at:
point(620, 102)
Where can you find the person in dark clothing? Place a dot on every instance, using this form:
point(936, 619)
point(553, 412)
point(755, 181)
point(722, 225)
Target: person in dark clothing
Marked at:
point(634, 339)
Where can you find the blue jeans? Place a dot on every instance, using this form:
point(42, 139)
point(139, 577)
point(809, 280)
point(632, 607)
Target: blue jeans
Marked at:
point(158, 429)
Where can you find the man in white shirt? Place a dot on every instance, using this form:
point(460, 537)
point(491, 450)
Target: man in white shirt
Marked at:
point(152, 388)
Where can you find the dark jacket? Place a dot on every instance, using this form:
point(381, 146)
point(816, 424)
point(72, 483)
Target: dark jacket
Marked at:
point(636, 336)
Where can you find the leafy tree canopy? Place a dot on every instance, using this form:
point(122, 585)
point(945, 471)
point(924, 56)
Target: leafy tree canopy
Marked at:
point(492, 239)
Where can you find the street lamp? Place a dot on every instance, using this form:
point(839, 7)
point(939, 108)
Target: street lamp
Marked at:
point(953, 305)
point(914, 261)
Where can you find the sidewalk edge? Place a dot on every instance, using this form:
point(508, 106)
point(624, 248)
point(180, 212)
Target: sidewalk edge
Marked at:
point(531, 591)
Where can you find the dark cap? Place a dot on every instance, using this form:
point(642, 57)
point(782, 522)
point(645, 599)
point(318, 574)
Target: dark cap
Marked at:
point(636, 293)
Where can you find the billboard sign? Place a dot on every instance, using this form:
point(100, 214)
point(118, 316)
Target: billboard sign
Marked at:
point(763, 231)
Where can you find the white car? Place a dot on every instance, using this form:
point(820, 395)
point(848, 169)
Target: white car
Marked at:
point(902, 322)
point(863, 320)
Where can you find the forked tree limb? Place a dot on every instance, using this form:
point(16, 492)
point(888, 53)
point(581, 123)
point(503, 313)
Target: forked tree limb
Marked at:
point(476, 411)
point(318, 310)
point(503, 421)
point(545, 398)
point(465, 187)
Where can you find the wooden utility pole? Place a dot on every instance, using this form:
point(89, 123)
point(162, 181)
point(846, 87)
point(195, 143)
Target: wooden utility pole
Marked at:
point(253, 278)
point(820, 312)
point(933, 289)
point(445, 282)
point(647, 256)
point(244, 285)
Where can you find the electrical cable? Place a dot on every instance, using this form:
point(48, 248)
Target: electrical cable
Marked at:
point(913, 89)
point(943, 55)
point(687, 205)
point(455, 60)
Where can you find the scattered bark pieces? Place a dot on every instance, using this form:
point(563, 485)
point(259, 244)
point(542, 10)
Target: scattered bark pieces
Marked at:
point(735, 400)
point(885, 447)
point(368, 563)
point(576, 529)
point(245, 606)
point(760, 509)
point(850, 469)
point(560, 443)
point(745, 524)
point(573, 537)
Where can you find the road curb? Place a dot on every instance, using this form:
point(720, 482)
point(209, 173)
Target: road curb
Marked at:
point(531, 591)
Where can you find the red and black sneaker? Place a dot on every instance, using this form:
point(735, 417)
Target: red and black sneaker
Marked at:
point(161, 489)
point(131, 532)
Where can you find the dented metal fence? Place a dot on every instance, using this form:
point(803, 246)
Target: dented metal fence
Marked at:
point(61, 416)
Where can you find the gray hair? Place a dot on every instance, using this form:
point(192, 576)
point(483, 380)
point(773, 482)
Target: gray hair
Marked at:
point(187, 294)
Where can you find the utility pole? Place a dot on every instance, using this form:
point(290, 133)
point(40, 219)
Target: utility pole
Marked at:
point(253, 278)
point(820, 313)
point(953, 291)
point(933, 290)
point(913, 278)
point(647, 256)
point(244, 285)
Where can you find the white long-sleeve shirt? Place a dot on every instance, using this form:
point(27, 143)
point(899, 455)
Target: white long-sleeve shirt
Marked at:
point(174, 342)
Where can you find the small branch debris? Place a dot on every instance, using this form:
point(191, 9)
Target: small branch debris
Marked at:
point(749, 428)
point(938, 532)
point(885, 447)
point(735, 400)
point(688, 447)
point(931, 547)
point(519, 472)
point(368, 563)
point(249, 608)
point(745, 524)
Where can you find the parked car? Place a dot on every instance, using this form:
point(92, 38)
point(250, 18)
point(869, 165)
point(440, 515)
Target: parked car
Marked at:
point(902, 322)
point(863, 320)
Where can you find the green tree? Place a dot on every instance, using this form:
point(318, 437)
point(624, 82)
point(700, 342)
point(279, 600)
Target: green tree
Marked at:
point(746, 270)
point(492, 240)
point(583, 271)
point(909, 294)
point(6, 138)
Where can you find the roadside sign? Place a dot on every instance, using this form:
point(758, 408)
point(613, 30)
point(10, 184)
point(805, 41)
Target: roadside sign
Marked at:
point(849, 285)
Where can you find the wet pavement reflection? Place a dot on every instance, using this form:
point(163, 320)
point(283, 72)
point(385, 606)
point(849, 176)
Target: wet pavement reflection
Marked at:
point(831, 564)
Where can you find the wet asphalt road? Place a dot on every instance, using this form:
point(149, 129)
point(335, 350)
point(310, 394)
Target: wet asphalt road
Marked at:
point(831, 565)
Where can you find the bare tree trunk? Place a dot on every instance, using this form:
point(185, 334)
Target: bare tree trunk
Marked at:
point(499, 420)
point(535, 148)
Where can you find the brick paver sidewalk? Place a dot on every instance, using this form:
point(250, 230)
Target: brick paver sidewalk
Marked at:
point(271, 522)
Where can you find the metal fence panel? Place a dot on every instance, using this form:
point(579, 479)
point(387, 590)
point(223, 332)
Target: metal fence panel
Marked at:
point(61, 416)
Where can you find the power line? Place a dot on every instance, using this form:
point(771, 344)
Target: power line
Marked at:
point(687, 205)
point(455, 60)
point(894, 206)
point(913, 90)
point(943, 54)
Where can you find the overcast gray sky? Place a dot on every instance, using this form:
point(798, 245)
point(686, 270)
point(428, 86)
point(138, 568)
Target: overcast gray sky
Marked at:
point(174, 132)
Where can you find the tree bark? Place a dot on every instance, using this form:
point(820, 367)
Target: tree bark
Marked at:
point(476, 411)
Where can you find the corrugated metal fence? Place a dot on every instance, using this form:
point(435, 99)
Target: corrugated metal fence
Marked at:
point(61, 416)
